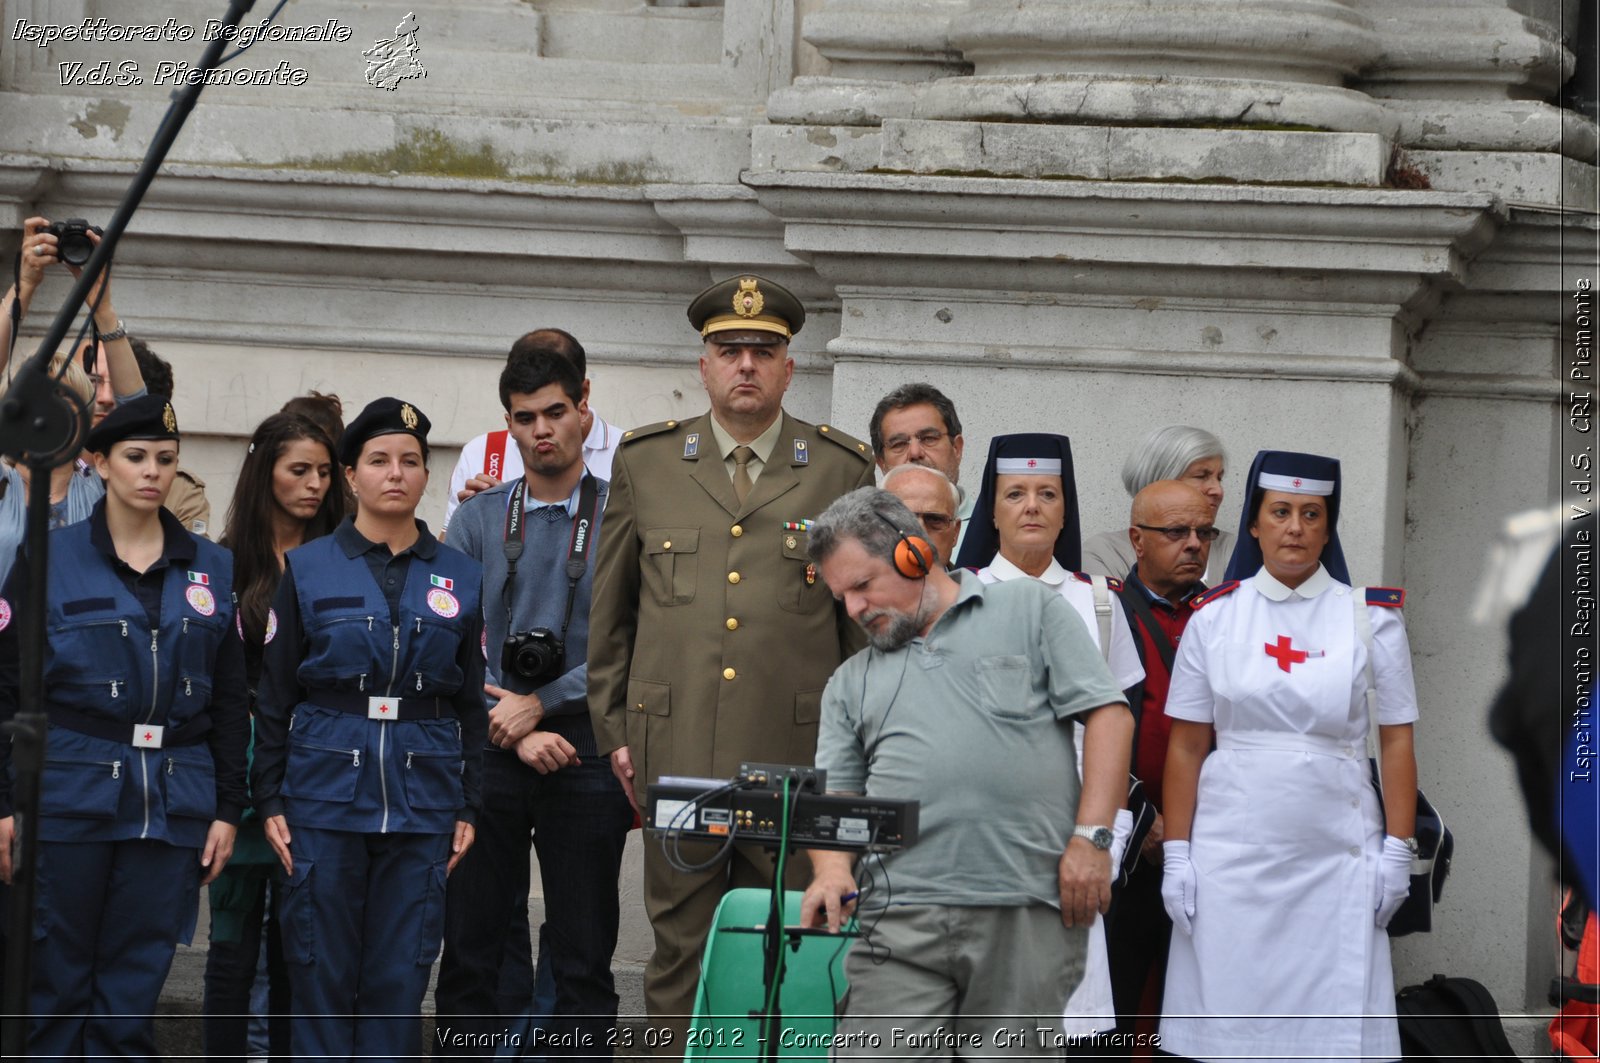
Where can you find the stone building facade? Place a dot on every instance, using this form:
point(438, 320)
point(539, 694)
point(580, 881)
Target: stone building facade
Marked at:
point(1345, 226)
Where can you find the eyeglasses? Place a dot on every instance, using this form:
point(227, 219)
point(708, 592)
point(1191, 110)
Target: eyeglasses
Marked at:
point(1204, 532)
point(935, 522)
point(927, 439)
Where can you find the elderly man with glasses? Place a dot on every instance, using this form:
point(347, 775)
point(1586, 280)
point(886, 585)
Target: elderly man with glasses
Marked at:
point(1171, 531)
point(916, 424)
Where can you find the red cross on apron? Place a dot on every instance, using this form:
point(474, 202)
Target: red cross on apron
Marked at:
point(1284, 654)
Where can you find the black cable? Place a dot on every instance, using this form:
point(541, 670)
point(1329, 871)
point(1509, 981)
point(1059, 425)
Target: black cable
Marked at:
point(675, 828)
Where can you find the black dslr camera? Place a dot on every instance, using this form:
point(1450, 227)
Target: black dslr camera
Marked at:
point(535, 657)
point(72, 239)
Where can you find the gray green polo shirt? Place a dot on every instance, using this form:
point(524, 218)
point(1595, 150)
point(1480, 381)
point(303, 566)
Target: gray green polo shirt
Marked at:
point(975, 722)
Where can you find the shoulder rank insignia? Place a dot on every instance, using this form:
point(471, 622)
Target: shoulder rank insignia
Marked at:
point(633, 435)
point(801, 455)
point(1393, 597)
point(691, 445)
point(1112, 583)
point(1207, 597)
point(854, 446)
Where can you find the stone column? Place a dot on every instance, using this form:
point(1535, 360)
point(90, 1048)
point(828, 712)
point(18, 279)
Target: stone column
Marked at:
point(1469, 83)
point(1241, 90)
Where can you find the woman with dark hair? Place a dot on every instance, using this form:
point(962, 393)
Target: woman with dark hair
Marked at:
point(283, 498)
point(1283, 864)
point(144, 770)
point(370, 729)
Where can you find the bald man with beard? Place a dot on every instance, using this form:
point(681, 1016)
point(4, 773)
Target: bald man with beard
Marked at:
point(1171, 530)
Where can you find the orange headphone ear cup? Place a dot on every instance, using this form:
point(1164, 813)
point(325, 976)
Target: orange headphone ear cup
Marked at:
point(913, 556)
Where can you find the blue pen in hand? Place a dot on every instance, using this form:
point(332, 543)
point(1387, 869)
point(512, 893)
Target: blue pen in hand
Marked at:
point(848, 897)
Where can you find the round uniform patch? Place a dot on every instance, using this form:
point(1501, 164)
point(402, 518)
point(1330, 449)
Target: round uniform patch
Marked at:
point(5, 616)
point(201, 600)
point(272, 626)
point(443, 602)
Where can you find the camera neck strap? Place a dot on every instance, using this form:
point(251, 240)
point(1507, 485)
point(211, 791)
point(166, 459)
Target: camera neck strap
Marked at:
point(577, 545)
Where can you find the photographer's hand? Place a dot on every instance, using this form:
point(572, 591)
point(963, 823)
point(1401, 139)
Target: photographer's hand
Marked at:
point(545, 752)
point(38, 251)
point(513, 716)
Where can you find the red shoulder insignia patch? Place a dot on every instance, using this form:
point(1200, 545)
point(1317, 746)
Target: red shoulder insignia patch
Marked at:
point(1207, 597)
point(1392, 597)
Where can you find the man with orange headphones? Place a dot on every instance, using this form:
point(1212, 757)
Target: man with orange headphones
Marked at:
point(964, 701)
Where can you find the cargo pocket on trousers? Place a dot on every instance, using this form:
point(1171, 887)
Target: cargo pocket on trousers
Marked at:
point(432, 931)
point(299, 915)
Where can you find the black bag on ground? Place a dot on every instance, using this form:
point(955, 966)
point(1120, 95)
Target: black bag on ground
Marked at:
point(1450, 1018)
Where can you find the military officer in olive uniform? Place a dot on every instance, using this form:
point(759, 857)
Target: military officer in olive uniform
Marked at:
point(712, 634)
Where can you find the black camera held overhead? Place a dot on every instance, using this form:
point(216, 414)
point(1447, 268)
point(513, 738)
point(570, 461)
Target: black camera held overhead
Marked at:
point(73, 245)
point(530, 659)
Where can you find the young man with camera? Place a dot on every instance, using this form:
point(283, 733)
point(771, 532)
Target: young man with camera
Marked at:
point(535, 537)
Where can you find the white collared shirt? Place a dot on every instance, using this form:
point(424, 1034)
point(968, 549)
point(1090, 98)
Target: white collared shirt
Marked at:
point(598, 447)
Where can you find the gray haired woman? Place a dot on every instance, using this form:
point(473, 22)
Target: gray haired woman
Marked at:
point(1175, 452)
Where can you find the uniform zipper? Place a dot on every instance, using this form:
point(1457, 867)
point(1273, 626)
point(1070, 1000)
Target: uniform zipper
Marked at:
point(144, 761)
point(383, 730)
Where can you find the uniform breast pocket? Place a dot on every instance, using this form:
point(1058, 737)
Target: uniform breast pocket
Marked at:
point(81, 788)
point(1003, 683)
point(800, 586)
point(671, 564)
point(197, 649)
point(191, 783)
point(431, 662)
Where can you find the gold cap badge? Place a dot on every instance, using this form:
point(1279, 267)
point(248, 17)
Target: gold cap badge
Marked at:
point(408, 416)
point(748, 300)
point(169, 418)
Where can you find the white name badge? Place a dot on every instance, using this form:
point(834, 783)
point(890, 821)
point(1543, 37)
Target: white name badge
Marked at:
point(383, 708)
point(148, 735)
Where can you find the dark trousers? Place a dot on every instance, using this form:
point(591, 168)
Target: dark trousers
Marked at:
point(362, 919)
point(231, 974)
point(1138, 933)
point(109, 918)
point(578, 820)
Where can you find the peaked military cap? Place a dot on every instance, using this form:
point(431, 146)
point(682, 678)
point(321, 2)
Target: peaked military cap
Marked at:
point(382, 417)
point(747, 304)
point(146, 417)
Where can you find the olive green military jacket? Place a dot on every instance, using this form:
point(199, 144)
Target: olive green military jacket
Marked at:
point(711, 634)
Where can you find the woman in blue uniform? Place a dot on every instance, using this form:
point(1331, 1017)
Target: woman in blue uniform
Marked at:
point(145, 765)
point(369, 722)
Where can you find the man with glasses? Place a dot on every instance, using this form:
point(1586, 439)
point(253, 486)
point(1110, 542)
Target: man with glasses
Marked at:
point(933, 500)
point(916, 424)
point(1171, 531)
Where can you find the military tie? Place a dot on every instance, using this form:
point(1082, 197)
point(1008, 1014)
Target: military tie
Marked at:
point(741, 473)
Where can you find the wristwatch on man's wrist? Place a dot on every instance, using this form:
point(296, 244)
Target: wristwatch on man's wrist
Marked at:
point(1099, 837)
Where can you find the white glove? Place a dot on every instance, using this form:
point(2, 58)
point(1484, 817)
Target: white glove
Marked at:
point(1394, 879)
point(1121, 831)
point(1177, 884)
